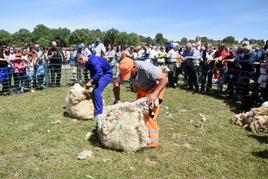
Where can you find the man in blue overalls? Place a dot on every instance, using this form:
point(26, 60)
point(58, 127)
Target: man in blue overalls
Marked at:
point(100, 74)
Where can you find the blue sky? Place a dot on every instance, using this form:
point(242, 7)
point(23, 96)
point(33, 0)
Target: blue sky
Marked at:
point(174, 18)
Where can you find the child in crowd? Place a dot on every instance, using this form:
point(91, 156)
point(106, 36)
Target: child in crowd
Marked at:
point(29, 71)
point(40, 73)
point(19, 72)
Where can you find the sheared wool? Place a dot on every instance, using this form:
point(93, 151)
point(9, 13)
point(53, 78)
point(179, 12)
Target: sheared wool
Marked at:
point(255, 120)
point(122, 126)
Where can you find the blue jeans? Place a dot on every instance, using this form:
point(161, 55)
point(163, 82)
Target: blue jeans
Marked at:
point(97, 92)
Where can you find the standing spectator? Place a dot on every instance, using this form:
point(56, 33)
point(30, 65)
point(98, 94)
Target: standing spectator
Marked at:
point(153, 55)
point(221, 66)
point(171, 58)
point(232, 73)
point(145, 53)
point(4, 77)
point(247, 71)
point(56, 58)
point(19, 72)
point(198, 43)
point(98, 49)
point(79, 70)
point(11, 57)
point(67, 55)
point(38, 51)
point(135, 53)
point(161, 56)
point(206, 68)
point(110, 56)
point(191, 66)
point(71, 60)
point(30, 71)
point(263, 78)
point(40, 73)
point(117, 60)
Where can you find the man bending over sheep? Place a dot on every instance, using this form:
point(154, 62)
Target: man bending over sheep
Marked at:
point(146, 80)
point(101, 75)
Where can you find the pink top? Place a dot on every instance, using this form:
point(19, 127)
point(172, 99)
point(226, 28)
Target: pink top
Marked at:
point(17, 64)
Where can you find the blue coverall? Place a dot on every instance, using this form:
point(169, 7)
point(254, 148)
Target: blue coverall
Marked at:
point(101, 73)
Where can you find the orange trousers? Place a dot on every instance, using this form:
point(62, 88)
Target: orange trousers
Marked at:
point(151, 122)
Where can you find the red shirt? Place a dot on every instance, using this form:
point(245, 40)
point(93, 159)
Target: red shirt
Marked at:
point(223, 54)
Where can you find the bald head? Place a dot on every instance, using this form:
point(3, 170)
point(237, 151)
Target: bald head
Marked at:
point(53, 44)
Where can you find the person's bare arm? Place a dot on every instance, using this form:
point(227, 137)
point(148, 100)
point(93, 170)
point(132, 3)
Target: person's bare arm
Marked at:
point(162, 83)
point(5, 59)
point(116, 89)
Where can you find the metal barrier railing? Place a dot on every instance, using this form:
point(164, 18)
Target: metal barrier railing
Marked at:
point(54, 75)
point(49, 75)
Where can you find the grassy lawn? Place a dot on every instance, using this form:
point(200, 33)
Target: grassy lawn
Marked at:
point(32, 147)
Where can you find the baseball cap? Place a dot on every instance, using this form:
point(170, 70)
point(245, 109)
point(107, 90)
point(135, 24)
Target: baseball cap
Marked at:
point(80, 45)
point(125, 67)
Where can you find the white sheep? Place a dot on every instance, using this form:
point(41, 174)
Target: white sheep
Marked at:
point(122, 126)
point(78, 103)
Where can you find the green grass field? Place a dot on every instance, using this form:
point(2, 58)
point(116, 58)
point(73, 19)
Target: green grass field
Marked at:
point(32, 147)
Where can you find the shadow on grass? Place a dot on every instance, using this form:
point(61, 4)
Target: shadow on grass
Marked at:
point(231, 102)
point(94, 139)
point(260, 139)
point(261, 154)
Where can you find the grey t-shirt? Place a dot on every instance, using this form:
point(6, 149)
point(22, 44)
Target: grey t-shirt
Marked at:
point(146, 75)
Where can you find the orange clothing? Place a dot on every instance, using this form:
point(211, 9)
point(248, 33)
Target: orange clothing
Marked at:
point(151, 122)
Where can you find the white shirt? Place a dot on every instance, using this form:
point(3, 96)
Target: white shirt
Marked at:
point(98, 50)
point(172, 55)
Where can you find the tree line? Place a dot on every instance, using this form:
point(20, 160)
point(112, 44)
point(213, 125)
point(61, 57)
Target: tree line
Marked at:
point(43, 36)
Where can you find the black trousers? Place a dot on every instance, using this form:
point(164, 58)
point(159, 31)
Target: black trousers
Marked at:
point(55, 71)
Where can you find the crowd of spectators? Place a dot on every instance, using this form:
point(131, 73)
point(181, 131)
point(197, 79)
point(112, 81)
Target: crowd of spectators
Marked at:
point(240, 68)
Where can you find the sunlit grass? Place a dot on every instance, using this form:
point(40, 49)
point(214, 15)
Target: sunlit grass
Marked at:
point(30, 146)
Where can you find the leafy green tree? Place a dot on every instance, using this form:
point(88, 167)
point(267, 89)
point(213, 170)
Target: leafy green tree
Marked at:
point(110, 36)
point(21, 37)
point(150, 41)
point(159, 39)
point(229, 40)
point(133, 39)
point(122, 39)
point(6, 37)
point(184, 41)
point(61, 36)
point(260, 43)
point(98, 33)
point(204, 40)
point(44, 42)
point(81, 36)
point(252, 41)
point(41, 31)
